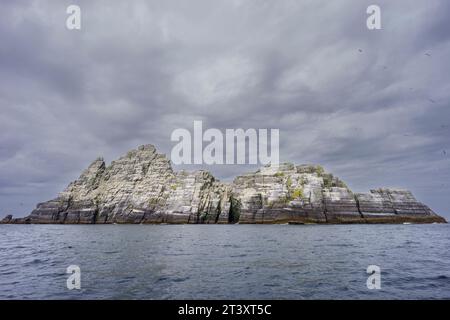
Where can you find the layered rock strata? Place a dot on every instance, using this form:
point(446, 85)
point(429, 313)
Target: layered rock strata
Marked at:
point(141, 187)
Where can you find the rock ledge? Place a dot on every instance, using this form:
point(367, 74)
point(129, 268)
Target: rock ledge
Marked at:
point(141, 187)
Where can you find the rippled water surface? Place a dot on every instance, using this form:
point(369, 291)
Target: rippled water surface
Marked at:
point(224, 261)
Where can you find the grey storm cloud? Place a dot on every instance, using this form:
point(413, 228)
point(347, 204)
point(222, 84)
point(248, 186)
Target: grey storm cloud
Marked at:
point(371, 106)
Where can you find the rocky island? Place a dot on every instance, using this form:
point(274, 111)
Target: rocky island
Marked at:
point(141, 187)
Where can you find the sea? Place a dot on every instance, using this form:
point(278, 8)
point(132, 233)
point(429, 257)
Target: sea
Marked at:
point(406, 261)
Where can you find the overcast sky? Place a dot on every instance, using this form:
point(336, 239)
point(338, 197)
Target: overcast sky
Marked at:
point(372, 107)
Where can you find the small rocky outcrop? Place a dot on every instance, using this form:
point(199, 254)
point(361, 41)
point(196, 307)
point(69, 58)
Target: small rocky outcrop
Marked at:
point(7, 219)
point(141, 187)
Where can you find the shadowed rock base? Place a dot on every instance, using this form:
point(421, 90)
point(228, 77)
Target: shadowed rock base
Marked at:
point(141, 188)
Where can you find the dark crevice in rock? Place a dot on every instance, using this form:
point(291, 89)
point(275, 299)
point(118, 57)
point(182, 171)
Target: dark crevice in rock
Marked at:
point(234, 214)
point(391, 200)
point(325, 210)
point(358, 206)
point(64, 217)
point(94, 217)
point(142, 219)
point(218, 211)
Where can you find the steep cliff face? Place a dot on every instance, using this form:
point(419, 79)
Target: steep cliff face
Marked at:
point(306, 194)
point(141, 187)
